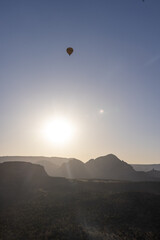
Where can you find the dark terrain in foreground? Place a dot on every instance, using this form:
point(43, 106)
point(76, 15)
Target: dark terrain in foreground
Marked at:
point(34, 206)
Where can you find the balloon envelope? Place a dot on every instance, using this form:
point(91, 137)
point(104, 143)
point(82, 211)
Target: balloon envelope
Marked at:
point(69, 50)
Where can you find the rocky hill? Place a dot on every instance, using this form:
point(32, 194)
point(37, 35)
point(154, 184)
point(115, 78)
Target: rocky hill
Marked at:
point(104, 167)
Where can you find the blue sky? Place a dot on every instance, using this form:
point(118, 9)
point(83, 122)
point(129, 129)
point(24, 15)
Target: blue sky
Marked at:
point(115, 67)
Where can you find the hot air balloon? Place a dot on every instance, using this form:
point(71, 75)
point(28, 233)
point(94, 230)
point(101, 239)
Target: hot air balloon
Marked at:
point(69, 50)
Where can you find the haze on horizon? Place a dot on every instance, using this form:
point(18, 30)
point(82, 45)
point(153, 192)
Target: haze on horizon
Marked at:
point(105, 95)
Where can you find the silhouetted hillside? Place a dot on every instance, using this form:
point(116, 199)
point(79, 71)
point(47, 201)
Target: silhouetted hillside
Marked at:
point(73, 169)
point(20, 180)
point(110, 167)
point(105, 167)
point(22, 176)
point(50, 167)
point(16, 171)
point(55, 160)
point(49, 163)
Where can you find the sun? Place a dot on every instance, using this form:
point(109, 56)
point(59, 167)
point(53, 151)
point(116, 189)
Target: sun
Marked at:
point(59, 130)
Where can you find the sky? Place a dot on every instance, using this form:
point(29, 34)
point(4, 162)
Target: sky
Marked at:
point(108, 89)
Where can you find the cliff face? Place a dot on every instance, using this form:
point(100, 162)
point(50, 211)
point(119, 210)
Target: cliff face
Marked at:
point(18, 180)
point(19, 171)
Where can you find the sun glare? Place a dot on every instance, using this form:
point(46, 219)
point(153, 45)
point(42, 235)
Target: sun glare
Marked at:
point(59, 131)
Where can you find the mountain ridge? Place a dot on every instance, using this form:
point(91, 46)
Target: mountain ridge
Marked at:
point(103, 167)
point(146, 167)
